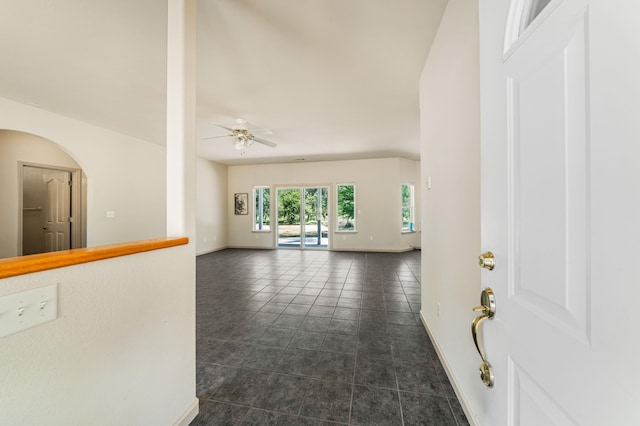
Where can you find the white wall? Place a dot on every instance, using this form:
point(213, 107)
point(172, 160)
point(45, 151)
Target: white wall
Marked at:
point(123, 348)
point(211, 207)
point(449, 101)
point(18, 147)
point(121, 351)
point(378, 200)
point(124, 174)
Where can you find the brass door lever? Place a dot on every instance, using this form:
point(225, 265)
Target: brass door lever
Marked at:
point(488, 309)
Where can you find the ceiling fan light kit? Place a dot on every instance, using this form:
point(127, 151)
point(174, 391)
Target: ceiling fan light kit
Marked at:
point(242, 138)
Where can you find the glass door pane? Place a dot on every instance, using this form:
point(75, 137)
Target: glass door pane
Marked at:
point(289, 223)
point(303, 219)
point(315, 230)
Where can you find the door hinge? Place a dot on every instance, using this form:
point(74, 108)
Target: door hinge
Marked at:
point(70, 220)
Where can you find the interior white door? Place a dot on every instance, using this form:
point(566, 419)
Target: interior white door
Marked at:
point(561, 210)
point(57, 211)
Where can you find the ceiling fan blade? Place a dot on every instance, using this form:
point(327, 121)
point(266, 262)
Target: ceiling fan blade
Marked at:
point(265, 142)
point(213, 137)
point(262, 130)
point(224, 127)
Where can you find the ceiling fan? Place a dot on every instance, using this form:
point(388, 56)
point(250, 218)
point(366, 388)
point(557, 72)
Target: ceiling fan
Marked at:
point(242, 138)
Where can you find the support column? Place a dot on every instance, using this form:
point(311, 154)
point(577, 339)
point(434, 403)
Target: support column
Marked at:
point(181, 118)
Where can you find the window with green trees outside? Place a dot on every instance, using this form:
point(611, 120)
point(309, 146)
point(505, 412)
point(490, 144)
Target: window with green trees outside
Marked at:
point(261, 208)
point(407, 207)
point(346, 207)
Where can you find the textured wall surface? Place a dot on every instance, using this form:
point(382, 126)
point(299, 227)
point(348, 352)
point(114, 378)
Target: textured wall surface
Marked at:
point(124, 174)
point(450, 122)
point(120, 352)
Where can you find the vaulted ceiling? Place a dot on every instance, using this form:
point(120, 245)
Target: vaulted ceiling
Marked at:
point(331, 79)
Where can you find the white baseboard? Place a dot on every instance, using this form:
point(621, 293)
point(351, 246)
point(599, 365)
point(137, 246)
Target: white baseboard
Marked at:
point(190, 413)
point(200, 253)
point(369, 250)
point(360, 250)
point(454, 383)
point(251, 247)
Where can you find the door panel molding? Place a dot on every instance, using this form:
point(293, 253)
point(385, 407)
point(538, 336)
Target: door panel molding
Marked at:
point(78, 203)
point(530, 404)
point(549, 165)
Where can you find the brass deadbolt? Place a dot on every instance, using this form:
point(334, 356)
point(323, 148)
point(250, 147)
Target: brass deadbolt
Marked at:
point(487, 260)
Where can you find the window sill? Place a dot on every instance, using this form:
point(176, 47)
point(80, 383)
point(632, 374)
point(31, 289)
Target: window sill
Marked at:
point(346, 232)
point(255, 231)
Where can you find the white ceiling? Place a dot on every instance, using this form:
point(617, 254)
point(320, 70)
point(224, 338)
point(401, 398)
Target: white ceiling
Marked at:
point(333, 79)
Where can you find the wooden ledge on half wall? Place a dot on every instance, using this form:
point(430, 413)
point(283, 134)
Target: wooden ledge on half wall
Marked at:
point(22, 265)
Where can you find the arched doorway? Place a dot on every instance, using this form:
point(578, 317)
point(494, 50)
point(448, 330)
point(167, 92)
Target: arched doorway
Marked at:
point(46, 196)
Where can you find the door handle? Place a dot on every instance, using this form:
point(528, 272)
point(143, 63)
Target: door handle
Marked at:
point(488, 309)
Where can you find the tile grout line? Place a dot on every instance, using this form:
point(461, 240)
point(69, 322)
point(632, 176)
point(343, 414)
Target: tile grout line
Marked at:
point(342, 280)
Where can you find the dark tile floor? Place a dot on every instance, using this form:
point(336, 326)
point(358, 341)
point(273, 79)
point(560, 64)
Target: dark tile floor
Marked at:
point(290, 337)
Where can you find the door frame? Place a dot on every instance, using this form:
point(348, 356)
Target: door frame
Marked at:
point(302, 188)
point(78, 202)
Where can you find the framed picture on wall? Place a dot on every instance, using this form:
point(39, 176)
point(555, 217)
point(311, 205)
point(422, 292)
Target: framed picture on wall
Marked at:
point(241, 203)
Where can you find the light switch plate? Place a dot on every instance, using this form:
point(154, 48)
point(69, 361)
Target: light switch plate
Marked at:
point(27, 309)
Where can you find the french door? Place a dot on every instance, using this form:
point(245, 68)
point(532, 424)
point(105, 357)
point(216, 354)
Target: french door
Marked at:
point(303, 217)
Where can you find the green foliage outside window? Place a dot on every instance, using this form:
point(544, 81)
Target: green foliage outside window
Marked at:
point(407, 207)
point(288, 206)
point(346, 206)
point(311, 204)
point(262, 209)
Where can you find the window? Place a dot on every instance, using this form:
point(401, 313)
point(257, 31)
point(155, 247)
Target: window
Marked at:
point(262, 208)
point(534, 10)
point(346, 208)
point(407, 207)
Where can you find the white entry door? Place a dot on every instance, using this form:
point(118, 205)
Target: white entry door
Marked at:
point(560, 101)
point(57, 211)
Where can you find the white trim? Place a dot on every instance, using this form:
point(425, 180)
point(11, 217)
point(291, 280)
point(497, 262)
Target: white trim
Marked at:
point(355, 209)
point(249, 247)
point(471, 417)
point(253, 208)
point(362, 250)
point(382, 250)
point(78, 202)
point(190, 413)
point(213, 250)
point(302, 189)
point(517, 31)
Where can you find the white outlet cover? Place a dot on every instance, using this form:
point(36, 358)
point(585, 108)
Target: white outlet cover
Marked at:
point(20, 311)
